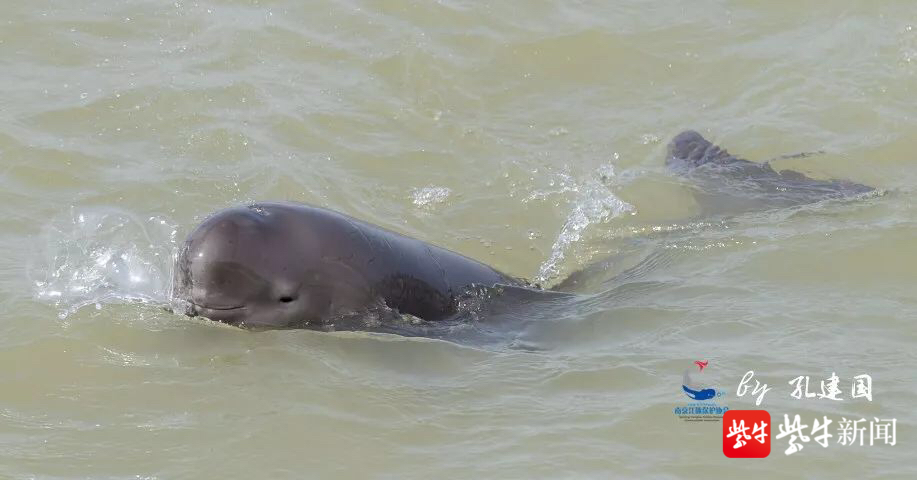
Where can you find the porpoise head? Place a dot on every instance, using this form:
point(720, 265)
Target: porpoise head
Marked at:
point(252, 267)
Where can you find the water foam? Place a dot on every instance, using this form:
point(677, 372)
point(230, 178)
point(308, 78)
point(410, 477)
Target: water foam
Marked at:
point(96, 256)
point(428, 196)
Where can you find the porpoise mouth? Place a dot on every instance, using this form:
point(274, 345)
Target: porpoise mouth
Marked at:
point(221, 308)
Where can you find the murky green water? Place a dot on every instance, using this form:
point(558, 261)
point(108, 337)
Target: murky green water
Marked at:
point(529, 135)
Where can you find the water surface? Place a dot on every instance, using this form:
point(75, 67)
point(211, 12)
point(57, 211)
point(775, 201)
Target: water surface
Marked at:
point(529, 135)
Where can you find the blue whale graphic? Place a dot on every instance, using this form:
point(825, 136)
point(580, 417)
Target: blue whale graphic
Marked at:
point(705, 394)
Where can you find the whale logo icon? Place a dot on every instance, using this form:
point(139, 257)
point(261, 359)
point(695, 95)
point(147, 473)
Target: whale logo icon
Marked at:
point(693, 391)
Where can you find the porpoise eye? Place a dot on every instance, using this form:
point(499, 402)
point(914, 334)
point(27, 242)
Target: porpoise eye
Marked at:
point(286, 299)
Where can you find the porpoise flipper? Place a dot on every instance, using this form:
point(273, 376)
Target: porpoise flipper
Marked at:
point(733, 184)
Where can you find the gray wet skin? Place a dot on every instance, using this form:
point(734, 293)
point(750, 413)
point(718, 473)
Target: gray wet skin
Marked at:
point(277, 265)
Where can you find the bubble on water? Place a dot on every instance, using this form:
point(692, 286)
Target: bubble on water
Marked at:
point(558, 131)
point(428, 196)
point(908, 46)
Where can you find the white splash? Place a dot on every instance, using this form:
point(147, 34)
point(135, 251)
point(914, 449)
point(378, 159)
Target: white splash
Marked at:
point(105, 255)
point(594, 203)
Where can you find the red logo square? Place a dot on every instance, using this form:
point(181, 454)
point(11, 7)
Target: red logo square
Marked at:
point(746, 433)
